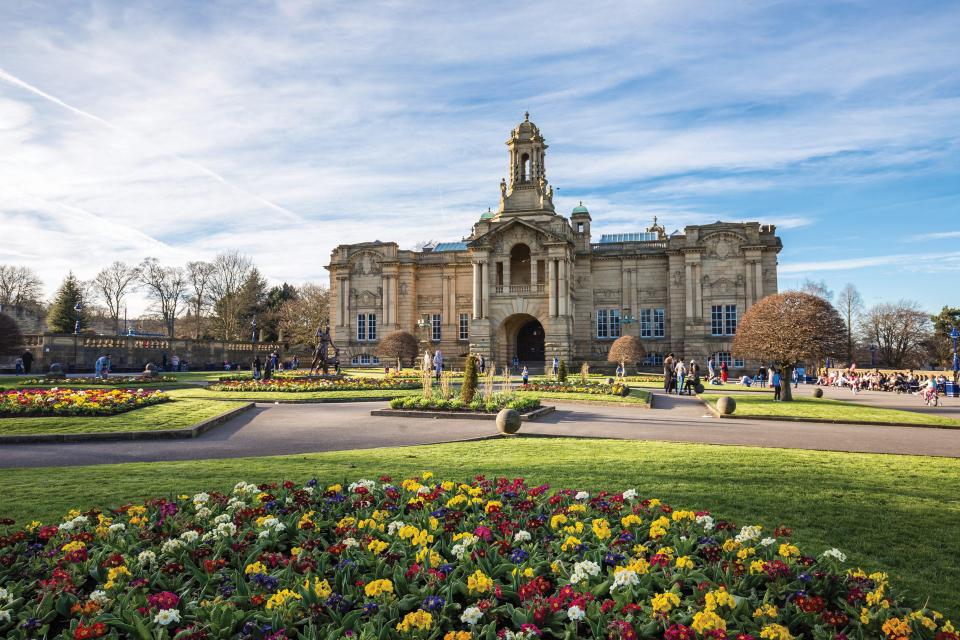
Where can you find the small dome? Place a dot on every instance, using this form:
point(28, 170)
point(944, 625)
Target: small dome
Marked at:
point(486, 215)
point(580, 208)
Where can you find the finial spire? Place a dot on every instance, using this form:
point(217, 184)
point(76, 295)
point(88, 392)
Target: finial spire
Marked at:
point(526, 116)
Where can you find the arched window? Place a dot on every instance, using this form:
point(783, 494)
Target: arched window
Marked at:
point(525, 168)
point(520, 264)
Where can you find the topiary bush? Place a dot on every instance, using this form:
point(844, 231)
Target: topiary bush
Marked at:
point(562, 371)
point(469, 388)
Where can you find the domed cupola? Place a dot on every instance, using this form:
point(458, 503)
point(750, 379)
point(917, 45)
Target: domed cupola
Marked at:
point(528, 190)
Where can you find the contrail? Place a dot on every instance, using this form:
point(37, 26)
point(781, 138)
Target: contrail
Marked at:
point(12, 79)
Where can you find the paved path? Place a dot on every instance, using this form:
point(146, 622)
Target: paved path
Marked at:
point(949, 407)
point(306, 428)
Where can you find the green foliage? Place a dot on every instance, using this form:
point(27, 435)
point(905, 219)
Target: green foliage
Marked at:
point(469, 387)
point(11, 340)
point(562, 371)
point(943, 322)
point(437, 402)
point(62, 317)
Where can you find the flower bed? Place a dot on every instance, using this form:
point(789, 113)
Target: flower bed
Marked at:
point(75, 402)
point(294, 385)
point(427, 559)
point(591, 388)
point(497, 402)
point(110, 381)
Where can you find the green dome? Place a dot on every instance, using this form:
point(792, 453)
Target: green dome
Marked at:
point(580, 208)
point(486, 215)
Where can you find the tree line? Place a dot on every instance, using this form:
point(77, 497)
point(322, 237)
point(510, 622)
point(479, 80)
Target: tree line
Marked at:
point(216, 299)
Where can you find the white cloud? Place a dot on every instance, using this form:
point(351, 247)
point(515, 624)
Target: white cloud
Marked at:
point(936, 235)
point(922, 262)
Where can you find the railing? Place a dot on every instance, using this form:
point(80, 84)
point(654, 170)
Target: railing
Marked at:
point(515, 289)
point(614, 247)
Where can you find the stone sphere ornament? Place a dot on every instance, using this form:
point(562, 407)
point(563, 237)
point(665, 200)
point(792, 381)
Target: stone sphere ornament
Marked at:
point(508, 421)
point(726, 405)
point(818, 393)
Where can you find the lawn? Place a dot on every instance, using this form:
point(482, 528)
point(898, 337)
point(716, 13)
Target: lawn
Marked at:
point(891, 513)
point(636, 396)
point(293, 396)
point(176, 414)
point(832, 410)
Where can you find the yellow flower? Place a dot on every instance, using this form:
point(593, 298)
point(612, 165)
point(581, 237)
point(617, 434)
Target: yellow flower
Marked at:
point(683, 515)
point(766, 610)
point(756, 567)
point(746, 552)
point(730, 545)
point(638, 565)
point(346, 523)
point(789, 551)
point(305, 521)
point(896, 628)
point(295, 551)
point(704, 621)
point(775, 632)
point(684, 562)
point(479, 582)
point(281, 598)
point(719, 598)
point(557, 520)
point(320, 587)
point(456, 501)
point(601, 529)
point(418, 620)
point(662, 603)
point(458, 635)
point(492, 505)
point(630, 520)
point(570, 543)
point(577, 508)
point(864, 615)
point(76, 545)
point(446, 485)
point(426, 475)
point(378, 588)
point(336, 488)
point(113, 574)
point(377, 546)
point(658, 528)
point(256, 567)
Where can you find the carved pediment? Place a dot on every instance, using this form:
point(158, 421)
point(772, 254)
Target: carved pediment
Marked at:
point(504, 236)
point(365, 297)
point(722, 245)
point(365, 263)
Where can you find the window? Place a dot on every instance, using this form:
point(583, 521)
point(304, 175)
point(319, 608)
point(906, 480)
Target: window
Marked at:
point(436, 327)
point(724, 357)
point(652, 323)
point(653, 359)
point(464, 326)
point(579, 227)
point(608, 323)
point(500, 273)
point(723, 320)
point(366, 326)
point(364, 358)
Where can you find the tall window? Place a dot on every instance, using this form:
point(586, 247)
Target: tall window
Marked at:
point(366, 326)
point(730, 319)
point(653, 359)
point(436, 327)
point(716, 320)
point(464, 326)
point(608, 323)
point(652, 323)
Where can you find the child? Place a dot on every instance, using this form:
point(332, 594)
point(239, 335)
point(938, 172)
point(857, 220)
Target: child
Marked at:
point(525, 375)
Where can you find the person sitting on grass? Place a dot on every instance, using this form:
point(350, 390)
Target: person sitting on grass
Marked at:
point(746, 381)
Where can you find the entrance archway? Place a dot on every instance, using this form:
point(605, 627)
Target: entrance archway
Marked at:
point(530, 342)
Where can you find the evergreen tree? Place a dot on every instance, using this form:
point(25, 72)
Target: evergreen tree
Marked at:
point(62, 316)
point(252, 296)
point(469, 388)
point(562, 371)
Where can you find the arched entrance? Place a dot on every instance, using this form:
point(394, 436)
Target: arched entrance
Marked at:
point(530, 341)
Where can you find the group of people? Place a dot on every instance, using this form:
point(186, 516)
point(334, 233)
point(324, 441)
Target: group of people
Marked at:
point(24, 363)
point(876, 380)
point(680, 377)
point(264, 369)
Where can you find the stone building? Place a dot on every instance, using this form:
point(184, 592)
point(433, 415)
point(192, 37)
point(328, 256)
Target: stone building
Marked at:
point(530, 282)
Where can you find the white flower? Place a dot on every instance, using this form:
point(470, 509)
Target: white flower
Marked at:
point(117, 527)
point(204, 513)
point(189, 536)
point(395, 526)
point(706, 522)
point(264, 534)
point(171, 546)
point(5, 596)
point(146, 557)
point(521, 536)
point(625, 578)
point(224, 530)
point(223, 517)
point(588, 567)
point(835, 553)
point(748, 533)
point(471, 615)
point(100, 597)
point(424, 490)
point(200, 499)
point(582, 495)
point(4, 616)
point(629, 494)
point(308, 490)
point(245, 488)
point(367, 484)
point(350, 542)
point(576, 613)
point(768, 541)
point(167, 616)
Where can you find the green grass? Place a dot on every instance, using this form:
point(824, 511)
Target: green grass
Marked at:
point(898, 514)
point(176, 414)
point(824, 409)
point(636, 396)
point(292, 396)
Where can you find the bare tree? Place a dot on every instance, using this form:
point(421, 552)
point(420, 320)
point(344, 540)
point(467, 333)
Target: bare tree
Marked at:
point(626, 349)
point(815, 288)
point(850, 306)
point(230, 271)
point(301, 315)
point(166, 287)
point(111, 286)
point(200, 277)
point(398, 345)
point(789, 328)
point(901, 331)
point(20, 287)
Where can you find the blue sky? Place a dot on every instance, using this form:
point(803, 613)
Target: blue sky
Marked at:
point(284, 128)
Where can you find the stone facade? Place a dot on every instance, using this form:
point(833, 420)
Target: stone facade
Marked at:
point(532, 283)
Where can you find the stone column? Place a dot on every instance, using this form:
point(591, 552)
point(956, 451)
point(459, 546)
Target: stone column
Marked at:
point(748, 284)
point(688, 273)
point(552, 285)
point(697, 291)
point(385, 298)
point(476, 289)
point(534, 275)
point(395, 299)
point(564, 290)
point(485, 289)
point(444, 299)
point(758, 280)
point(506, 276)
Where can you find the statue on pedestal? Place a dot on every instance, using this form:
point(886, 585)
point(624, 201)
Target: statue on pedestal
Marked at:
point(321, 355)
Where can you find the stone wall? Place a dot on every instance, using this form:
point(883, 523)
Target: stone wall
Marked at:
point(132, 353)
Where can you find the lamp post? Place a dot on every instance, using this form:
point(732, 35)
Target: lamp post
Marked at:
point(253, 341)
point(954, 335)
point(76, 332)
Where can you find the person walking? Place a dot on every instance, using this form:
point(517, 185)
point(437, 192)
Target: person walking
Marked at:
point(555, 366)
point(775, 379)
point(516, 363)
point(796, 378)
point(27, 361)
point(724, 372)
point(525, 376)
point(711, 372)
point(296, 362)
point(481, 364)
point(18, 365)
point(693, 377)
point(681, 374)
point(668, 365)
point(438, 364)
point(163, 361)
point(256, 367)
point(175, 362)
